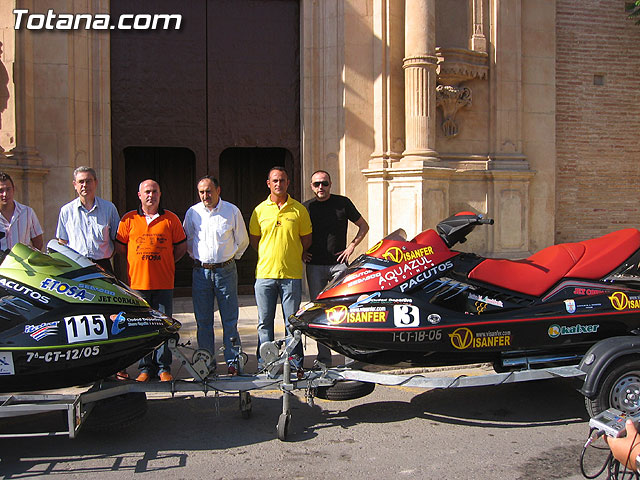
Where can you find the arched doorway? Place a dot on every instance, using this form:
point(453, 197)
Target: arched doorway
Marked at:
point(243, 177)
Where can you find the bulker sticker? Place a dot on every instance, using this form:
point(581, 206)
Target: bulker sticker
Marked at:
point(556, 330)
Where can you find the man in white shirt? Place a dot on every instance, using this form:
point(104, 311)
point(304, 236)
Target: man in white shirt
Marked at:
point(89, 224)
point(216, 237)
point(18, 222)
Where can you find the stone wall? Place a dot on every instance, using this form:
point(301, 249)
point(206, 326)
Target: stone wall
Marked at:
point(598, 148)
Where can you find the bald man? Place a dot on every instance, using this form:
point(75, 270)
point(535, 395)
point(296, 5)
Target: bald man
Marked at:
point(152, 239)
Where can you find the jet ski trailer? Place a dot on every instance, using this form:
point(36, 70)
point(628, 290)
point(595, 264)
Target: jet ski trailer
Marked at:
point(340, 383)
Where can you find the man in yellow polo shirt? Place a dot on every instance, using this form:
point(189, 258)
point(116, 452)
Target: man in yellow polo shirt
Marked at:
point(280, 230)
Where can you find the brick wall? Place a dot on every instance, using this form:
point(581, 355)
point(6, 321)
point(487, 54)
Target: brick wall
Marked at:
point(598, 126)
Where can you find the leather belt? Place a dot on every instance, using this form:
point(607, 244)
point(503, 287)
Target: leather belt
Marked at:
point(211, 266)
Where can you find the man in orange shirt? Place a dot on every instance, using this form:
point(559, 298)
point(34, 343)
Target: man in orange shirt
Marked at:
point(152, 238)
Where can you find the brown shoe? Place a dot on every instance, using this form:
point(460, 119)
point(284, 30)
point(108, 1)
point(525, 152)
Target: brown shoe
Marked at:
point(122, 375)
point(166, 377)
point(143, 377)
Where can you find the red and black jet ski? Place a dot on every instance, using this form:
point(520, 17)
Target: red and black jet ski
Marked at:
point(418, 302)
point(64, 321)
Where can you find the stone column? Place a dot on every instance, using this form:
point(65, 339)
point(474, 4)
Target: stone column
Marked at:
point(388, 85)
point(420, 82)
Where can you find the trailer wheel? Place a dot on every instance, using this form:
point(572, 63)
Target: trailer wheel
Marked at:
point(345, 390)
point(619, 388)
point(283, 425)
point(116, 413)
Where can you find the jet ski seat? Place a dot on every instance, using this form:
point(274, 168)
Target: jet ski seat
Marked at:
point(589, 259)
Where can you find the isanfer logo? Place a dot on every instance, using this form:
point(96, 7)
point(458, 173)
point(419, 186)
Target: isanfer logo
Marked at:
point(337, 314)
point(461, 338)
point(620, 301)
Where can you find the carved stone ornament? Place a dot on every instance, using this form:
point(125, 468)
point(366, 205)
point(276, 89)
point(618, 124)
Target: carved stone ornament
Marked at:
point(451, 99)
point(457, 65)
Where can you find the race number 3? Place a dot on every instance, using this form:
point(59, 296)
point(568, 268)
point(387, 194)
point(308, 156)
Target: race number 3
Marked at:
point(81, 328)
point(406, 316)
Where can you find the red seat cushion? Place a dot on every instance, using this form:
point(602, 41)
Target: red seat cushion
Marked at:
point(533, 275)
point(605, 253)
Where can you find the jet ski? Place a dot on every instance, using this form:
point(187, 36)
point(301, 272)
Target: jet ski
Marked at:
point(64, 321)
point(419, 302)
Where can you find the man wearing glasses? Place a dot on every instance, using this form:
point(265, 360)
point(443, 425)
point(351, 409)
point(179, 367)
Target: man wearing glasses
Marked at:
point(329, 252)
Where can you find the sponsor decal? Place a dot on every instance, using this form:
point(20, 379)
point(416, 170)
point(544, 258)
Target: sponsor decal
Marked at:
point(86, 286)
point(620, 301)
point(433, 318)
point(393, 276)
point(374, 248)
point(363, 279)
point(6, 363)
point(119, 323)
point(485, 299)
point(426, 275)
point(417, 336)
point(38, 332)
point(589, 306)
point(463, 338)
point(18, 287)
point(82, 328)
point(341, 314)
point(480, 307)
point(63, 356)
point(354, 276)
point(145, 322)
point(304, 308)
point(557, 330)
point(66, 289)
point(127, 300)
point(396, 254)
point(406, 316)
point(570, 305)
point(587, 291)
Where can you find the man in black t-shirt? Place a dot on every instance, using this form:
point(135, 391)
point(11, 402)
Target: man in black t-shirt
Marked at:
point(329, 252)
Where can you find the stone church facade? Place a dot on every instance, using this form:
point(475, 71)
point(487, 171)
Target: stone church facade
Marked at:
point(524, 110)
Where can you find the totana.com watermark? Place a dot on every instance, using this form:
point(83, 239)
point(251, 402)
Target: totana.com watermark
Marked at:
point(97, 21)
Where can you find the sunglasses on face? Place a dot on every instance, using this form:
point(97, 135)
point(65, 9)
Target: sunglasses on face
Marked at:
point(324, 183)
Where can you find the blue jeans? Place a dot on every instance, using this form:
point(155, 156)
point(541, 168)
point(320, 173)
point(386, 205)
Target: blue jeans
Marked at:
point(317, 278)
point(267, 292)
point(159, 360)
point(209, 285)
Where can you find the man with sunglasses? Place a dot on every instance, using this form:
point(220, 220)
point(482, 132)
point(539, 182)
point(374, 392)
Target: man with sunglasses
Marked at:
point(329, 252)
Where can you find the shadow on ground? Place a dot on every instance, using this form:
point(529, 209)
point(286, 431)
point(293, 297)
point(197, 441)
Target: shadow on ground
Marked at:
point(172, 427)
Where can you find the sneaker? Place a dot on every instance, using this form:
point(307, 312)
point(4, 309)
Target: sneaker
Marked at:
point(165, 377)
point(143, 377)
point(232, 370)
